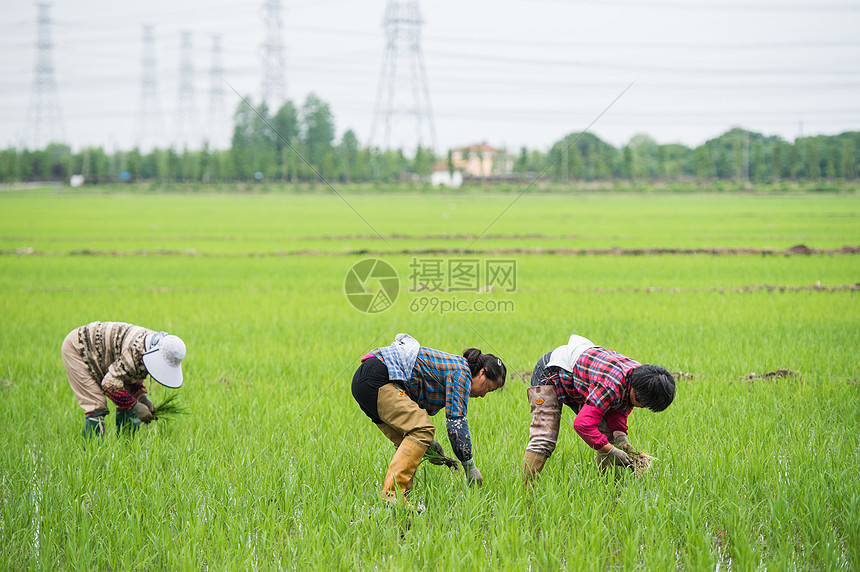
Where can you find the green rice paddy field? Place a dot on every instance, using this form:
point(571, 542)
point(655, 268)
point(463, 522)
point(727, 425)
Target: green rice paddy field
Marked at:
point(275, 466)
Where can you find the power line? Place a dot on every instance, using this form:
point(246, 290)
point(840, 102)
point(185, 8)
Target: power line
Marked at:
point(203, 13)
point(707, 46)
point(508, 42)
point(561, 118)
point(721, 6)
point(600, 66)
point(469, 76)
point(466, 84)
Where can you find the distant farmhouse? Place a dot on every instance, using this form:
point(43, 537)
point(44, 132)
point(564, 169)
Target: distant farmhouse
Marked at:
point(481, 160)
point(475, 162)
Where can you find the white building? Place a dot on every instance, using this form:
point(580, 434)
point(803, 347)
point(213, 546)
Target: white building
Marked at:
point(442, 176)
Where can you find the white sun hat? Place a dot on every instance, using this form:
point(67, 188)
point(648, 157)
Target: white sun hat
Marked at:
point(163, 358)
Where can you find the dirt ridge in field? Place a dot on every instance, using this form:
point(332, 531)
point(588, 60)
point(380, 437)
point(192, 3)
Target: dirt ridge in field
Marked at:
point(443, 236)
point(647, 289)
point(740, 289)
point(797, 250)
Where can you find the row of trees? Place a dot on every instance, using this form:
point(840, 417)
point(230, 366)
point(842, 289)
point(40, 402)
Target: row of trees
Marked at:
point(294, 144)
point(735, 155)
point(298, 144)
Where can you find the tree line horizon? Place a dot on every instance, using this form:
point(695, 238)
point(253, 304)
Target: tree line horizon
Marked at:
point(300, 147)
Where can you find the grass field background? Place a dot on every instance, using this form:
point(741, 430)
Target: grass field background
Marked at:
point(277, 468)
point(272, 223)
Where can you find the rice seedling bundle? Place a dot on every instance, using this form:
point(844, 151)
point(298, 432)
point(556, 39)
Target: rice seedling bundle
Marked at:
point(642, 462)
point(437, 458)
point(169, 408)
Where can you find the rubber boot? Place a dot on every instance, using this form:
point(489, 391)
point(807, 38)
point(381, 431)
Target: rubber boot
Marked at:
point(532, 465)
point(391, 433)
point(398, 479)
point(126, 421)
point(94, 425)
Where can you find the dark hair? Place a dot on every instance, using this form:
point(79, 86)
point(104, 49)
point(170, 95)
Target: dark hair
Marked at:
point(653, 386)
point(496, 370)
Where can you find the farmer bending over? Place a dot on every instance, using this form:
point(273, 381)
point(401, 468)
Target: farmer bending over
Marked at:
point(400, 386)
point(112, 359)
point(602, 387)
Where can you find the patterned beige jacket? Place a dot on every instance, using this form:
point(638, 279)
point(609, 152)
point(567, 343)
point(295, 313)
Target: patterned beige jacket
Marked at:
point(113, 352)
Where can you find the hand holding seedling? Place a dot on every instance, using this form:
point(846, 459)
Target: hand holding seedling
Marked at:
point(622, 443)
point(436, 455)
point(611, 455)
point(148, 402)
point(143, 413)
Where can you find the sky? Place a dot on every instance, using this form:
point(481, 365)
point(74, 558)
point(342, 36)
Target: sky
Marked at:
point(508, 73)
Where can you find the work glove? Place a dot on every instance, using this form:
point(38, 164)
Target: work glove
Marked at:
point(142, 411)
point(622, 443)
point(148, 402)
point(615, 457)
point(436, 448)
point(438, 457)
point(473, 475)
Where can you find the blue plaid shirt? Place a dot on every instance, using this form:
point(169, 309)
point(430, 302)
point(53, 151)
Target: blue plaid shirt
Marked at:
point(438, 380)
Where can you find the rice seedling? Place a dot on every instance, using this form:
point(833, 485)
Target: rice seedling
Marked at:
point(437, 458)
point(641, 462)
point(169, 407)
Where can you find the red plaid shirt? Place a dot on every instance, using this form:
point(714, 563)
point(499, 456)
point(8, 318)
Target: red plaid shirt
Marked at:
point(598, 379)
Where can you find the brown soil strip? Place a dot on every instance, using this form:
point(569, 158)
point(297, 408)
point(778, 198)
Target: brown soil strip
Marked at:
point(771, 374)
point(442, 236)
point(524, 376)
point(797, 250)
point(740, 289)
point(682, 375)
